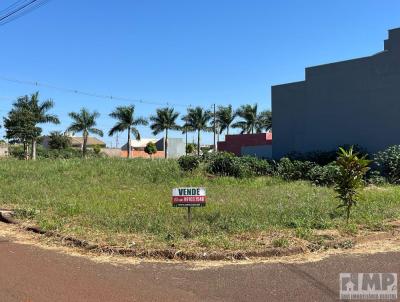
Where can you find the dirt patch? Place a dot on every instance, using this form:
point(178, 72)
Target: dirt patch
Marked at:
point(321, 241)
point(17, 235)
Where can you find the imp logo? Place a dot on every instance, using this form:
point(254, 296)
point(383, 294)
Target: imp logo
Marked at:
point(368, 286)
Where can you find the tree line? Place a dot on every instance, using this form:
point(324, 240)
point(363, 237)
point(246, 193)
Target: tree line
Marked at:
point(22, 123)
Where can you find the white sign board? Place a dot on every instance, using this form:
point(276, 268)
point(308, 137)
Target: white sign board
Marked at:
point(189, 197)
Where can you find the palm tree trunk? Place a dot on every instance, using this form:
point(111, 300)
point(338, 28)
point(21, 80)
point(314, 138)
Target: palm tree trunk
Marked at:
point(33, 151)
point(186, 142)
point(198, 142)
point(129, 142)
point(84, 147)
point(166, 144)
point(227, 130)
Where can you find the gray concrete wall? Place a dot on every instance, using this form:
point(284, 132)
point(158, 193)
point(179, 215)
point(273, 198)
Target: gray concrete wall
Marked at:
point(350, 102)
point(262, 151)
point(176, 147)
point(4, 152)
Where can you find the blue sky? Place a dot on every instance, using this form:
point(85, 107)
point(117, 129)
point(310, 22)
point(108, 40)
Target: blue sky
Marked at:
point(184, 52)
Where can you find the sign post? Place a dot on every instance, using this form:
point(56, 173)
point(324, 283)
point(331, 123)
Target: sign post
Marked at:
point(189, 198)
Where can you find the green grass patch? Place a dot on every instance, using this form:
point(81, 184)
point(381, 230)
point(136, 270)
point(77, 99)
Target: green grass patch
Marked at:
point(118, 201)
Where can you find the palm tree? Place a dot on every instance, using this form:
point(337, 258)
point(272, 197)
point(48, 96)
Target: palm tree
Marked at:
point(185, 130)
point(85, 122)
point(127, 121)
point(39, 114)
point(197, 119)
point(164, 120)
point(224, 117)
point(264, 121)
point(248, 113)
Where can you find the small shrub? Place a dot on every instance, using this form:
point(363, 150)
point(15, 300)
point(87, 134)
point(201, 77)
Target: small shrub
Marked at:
point(323, 175)
point(189, 162)
point(258, 167)
point(352, 170)
point(58, 140)
point(150, 149)
point(96, 149)
point(388, 162)
point(17, 151)
point(227, 164)
point(293, 170)
point(190, 148)
point(375, 178)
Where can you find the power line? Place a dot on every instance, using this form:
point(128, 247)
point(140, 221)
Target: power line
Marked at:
point(90, 94)
point(18, 9)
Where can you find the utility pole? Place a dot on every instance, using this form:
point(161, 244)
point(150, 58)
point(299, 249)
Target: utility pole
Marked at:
point(215, 131)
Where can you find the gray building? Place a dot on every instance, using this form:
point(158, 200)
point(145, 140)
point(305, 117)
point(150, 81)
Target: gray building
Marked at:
point(176, 147)
point(349, 102)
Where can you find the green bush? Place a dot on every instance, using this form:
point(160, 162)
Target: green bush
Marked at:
point(58, 140)
point(97, 149)
point(150, 148)
point(227, 164)
point(258, 167)
point(62, 153)
point(388, 162)
point(17, 151)
point(188, 162)
point(323, 175)
point(190, 148)
point(293, 170)
point(374, 177)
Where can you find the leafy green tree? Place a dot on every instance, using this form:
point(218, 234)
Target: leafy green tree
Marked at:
point(59, 141)
point(164, 120)
point(349, 179)
point(150, 149)
point(225, 116)
point(20, 125)
point(85, 122)
point(39, 111)
point(125, 116)
point(197, 119)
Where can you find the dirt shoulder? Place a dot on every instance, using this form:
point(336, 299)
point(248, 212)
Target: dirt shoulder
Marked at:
point(333, 243)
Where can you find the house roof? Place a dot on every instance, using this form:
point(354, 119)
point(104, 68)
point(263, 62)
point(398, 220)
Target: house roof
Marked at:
point(78, 140)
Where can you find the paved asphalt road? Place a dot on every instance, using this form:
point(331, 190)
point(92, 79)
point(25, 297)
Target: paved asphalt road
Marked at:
point(29, 273)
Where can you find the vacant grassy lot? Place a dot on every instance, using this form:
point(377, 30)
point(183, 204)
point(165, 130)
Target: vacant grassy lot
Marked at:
point(128, 203)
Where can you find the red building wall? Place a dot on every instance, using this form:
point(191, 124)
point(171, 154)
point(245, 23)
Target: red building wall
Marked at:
point(234, 143)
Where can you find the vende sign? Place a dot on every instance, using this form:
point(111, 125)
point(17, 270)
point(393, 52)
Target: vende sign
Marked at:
point(189, 197)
